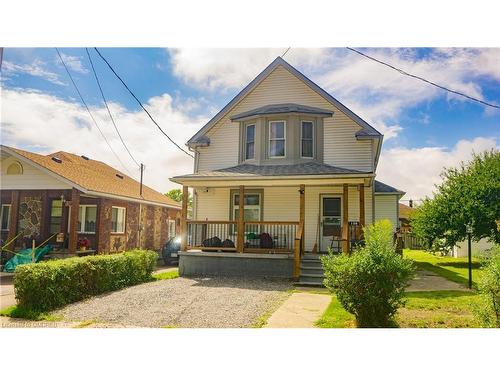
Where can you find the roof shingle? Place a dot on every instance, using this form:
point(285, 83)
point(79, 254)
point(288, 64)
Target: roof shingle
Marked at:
point(93, 175)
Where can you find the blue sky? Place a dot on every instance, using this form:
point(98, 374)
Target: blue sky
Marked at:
point(425, 128)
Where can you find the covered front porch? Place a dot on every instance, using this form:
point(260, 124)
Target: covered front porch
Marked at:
point(277, 219)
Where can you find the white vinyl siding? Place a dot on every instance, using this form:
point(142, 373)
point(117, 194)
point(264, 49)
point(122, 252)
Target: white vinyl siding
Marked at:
point(340, 145)
point(31, 179)
point(282, 204)
point(386, 207)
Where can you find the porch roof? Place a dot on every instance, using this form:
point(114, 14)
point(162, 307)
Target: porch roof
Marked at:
point(259, 172)
point(381, 188)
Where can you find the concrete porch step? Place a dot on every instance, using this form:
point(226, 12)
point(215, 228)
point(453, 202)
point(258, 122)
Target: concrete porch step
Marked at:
point(312, 270)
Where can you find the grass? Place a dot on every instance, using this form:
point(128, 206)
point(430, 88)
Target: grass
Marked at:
point(453, 269)
point(24, 313)
point(167, 275)
point(436, 309)
point(336, 317)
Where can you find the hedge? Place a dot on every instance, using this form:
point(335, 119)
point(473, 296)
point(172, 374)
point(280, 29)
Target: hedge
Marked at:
point(48, 285)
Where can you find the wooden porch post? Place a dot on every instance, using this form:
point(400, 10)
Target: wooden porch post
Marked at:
point(73, 221)
point(14, 211)
point(185, 199)
point(302, 211)
point(361, 209)
point(345, 220)
point(241, 217)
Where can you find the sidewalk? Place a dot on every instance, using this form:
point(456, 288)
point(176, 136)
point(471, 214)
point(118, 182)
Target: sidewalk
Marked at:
point(300, 310)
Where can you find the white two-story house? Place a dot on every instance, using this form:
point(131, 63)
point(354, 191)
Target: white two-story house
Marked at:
point(306, 166)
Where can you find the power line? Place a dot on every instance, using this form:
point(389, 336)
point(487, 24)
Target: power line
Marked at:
point(88, 110)
point(284, 53)
point(107, 107)
point(139, 102)
point(423, 79)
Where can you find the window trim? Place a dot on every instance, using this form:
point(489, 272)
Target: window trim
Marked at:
point(246, 141)
point(8, 216)
point(276, 139)
point(61, 217)
point(313, 139)
point(124, 219)
point(237, 206)
point(169, 223)
point(82, 223)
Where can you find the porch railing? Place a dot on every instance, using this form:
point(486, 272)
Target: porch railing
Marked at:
point(272, 237)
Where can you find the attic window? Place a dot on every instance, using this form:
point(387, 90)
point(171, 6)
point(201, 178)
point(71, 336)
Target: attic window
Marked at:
point(15, 168)
point(119, 176)
point(57, 160)
point(84, 157)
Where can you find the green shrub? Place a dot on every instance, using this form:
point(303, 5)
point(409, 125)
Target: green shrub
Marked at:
point(370, 283)
point(488, 309)
point(47, 285)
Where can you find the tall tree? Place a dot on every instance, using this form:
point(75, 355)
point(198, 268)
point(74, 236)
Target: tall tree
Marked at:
point(469, 194)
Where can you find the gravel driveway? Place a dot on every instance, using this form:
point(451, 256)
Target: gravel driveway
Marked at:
point(184, 302)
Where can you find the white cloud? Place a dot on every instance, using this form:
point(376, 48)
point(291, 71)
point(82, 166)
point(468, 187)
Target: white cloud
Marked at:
point(35, 69)
point(43, 121)
point(373, 91)
point(223, 68)
point(417, 170)
point(74, 63)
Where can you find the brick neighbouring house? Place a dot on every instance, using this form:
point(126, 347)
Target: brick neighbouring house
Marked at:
point(42, 195)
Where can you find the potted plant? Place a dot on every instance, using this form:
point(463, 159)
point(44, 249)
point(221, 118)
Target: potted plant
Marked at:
point(83, 243)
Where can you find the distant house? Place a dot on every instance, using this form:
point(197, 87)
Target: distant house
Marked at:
point(283, 171)
point(67, 198)
point(404, 217)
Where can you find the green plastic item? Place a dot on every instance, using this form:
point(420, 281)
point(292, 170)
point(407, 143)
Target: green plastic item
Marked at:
point(24, 257)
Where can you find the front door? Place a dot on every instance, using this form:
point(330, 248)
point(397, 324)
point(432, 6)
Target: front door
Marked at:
point(331, 219)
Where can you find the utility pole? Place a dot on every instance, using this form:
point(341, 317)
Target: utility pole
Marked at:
point(142, 173)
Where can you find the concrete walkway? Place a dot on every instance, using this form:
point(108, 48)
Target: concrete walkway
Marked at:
point(300, 310)
point(7, 297)
point(429, 281)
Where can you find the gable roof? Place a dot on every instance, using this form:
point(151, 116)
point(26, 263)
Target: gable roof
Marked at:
point(92, 176)
point(381, 188)
point(272, 109)
point(367, 129)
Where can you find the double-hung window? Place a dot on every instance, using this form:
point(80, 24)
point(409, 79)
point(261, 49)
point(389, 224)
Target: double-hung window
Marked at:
point(87, 217)
point(307, 139)
point(56, 211)
point(118, 219)
point(5, 217)
point(250, 141)
point(252, 209)
point(277, 139)
point(171, 228)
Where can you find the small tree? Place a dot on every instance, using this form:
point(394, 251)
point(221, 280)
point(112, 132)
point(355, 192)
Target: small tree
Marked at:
point(488, 310)
point(176, 195)
point(371, 282)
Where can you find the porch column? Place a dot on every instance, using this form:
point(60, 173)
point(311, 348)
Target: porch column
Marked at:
point(345, 220)
point(14, 211)
point(361, 209)
point(302, 211)
point(73, 221)
point(241, 217)
point(185, 199)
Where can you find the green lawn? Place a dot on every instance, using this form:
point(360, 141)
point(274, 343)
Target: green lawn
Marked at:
point(167, 275)
point(453, 269)
point(439, 309)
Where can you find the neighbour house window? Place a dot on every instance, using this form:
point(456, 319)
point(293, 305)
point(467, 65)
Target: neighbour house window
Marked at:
point(118, 219)
point(5, 216)
point(56, 208)
point(171, 228)
point(306, 139)
point(277, 139)
point(15, 168)
point(252, 209)
point(250, 142)
point(87, 217)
